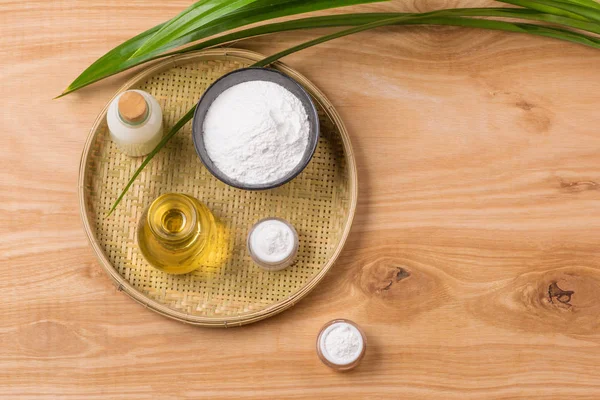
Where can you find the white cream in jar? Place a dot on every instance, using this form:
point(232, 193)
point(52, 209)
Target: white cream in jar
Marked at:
point(273, 243)
point(341, 345)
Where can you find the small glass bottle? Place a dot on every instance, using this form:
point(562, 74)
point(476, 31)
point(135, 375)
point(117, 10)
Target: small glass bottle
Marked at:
point(351, 342)
point(135, 122)
point(177, 233)
point(273, 243)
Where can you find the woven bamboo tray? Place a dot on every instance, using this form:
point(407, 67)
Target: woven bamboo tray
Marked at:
point(320, 203)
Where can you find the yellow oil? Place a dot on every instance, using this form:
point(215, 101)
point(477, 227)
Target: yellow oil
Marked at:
point(178, 234)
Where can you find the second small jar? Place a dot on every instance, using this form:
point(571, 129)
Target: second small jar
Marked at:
point(273, 243)
point(341, 344)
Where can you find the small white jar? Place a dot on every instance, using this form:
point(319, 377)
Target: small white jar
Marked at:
point(341, 344)
point(273, 243)
point(135, 122)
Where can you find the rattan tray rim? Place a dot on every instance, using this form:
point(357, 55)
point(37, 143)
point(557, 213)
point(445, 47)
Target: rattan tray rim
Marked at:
point(123, 285)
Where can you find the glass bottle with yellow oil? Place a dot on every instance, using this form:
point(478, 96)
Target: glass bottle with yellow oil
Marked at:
point(177, 233)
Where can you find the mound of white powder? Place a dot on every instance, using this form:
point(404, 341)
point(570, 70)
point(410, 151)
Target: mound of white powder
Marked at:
point(342, 343)
point(256, 132)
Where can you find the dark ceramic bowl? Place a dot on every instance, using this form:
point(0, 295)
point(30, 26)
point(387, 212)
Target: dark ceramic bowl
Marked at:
point(245, 75)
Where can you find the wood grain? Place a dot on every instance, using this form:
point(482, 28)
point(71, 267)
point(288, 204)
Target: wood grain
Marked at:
point(472, 266)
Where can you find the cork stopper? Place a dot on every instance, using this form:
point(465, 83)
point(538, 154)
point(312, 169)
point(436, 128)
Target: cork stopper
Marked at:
point(132, 107)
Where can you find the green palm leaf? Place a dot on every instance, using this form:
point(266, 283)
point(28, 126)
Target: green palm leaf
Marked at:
point(126, 55)
point(121, 58)
point(587, 3)
point(564, 8)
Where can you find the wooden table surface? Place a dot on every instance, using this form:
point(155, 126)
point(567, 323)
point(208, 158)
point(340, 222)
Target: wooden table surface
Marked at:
point(472, 265)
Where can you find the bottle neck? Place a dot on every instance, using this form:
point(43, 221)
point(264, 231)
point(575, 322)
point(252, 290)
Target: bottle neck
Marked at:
point(173, 219)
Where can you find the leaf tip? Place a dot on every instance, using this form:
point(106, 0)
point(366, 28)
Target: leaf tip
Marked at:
point(64, 93)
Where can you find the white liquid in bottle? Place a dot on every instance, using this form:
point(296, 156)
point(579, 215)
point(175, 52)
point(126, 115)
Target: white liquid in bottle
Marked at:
point(135, 122)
